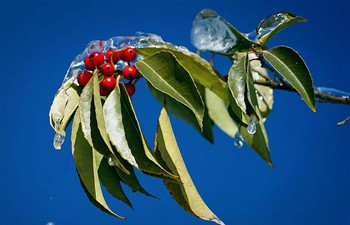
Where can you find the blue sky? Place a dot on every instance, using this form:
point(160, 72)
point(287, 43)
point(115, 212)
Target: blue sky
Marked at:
point(310, 181)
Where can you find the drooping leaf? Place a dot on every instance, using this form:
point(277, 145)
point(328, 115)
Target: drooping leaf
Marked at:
point(130, 179)
point(197, 67)
point(92, 121)
point(185, 193)
point(63, 106)
point(86, 161)
point(164, 72)
point(182, 112)
point(217, 111)
point(237, 91)
point(257, 141)
point(125, 133)
point(273, 24)
point(237, 82)
point(292, 67)
point(110, 179)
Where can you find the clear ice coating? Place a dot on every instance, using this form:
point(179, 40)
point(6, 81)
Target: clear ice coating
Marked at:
point(238, 140)
point(333, 91)
point(111, 162)
point(211, 32)
point(269, 24)
point(251, 128)
point(140, 40)
point(58, 140)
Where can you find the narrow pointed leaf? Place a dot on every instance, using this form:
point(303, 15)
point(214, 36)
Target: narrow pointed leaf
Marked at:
point(273, 24)
point(130, 179)
point(86, 161)
point(257, 141)
point(185, 193)
point(110, 179)
point(198, 68)
point(218, 113)
point(292, 67)
point(126, 135)
point(183, 113)
point(237, 82)
point(90, 115)
point(165, 74)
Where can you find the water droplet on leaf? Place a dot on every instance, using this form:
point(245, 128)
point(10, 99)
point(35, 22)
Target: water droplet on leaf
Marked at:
point(252, 125)
point(238, 140)
point(111, 161)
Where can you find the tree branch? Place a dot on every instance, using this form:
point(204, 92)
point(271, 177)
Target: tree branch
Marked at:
point(320, 96)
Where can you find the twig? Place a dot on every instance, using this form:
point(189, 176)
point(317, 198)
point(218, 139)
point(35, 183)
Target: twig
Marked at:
point(320, 97)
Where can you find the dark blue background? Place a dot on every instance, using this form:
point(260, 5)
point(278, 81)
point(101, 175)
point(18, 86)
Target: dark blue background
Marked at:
point(309, 184)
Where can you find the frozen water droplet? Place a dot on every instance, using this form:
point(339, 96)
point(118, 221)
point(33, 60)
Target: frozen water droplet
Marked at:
point(211, 32)
point(58, 140)
point(238, 140)
point(252, 125)
point(111, 162)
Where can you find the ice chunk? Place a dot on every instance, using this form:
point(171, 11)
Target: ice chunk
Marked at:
point(211, 32)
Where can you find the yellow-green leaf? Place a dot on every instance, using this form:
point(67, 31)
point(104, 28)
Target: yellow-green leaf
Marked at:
point(87, 162)
point(185, 192)
point(218, 113)
point(164, 72)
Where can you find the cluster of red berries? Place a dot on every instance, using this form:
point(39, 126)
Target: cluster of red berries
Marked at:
point(105, 64)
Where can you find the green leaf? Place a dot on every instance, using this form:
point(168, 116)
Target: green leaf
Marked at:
point(197, 67)
point(110, 179)
point(237, 82)
point(92, 120)
point(185, 193)
point(239, 107)
point(273, 24)
point(185, 114)
point(165, 74)
point(218, 113)
point(130, 179)
point(87, 161)
point(257, 141)
point(292, 67)
point(126, 135)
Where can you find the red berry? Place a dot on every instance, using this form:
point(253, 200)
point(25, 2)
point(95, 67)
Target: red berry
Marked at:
point(130, 88)
point(116, 56)
point(107, 69)
point(109, 54)
point(88, 64)
point(84, 77)
point(97, 58)
point(129, 54)
point(107, 85)
point(129, 72)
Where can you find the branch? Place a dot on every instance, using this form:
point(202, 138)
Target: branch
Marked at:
point(320, 94)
